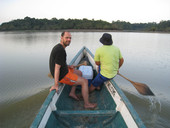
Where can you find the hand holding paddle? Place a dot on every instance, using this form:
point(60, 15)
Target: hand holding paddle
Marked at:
point(140, 87)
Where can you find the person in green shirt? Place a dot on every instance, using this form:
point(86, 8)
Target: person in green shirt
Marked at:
point(109, 59)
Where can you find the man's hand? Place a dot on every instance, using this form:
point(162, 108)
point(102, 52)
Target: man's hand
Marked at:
point(54, 88)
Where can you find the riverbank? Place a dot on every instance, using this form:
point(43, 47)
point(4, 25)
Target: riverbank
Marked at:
point(83, 24)
point(86, 30)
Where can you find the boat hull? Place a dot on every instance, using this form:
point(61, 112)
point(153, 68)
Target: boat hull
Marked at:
point(113, 110)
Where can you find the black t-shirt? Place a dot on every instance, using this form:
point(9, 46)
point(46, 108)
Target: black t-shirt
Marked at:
point(58, 56)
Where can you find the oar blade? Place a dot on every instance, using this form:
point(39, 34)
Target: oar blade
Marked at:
point(143, 89)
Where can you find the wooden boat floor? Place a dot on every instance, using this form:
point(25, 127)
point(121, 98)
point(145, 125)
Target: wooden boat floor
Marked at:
point(102, 98)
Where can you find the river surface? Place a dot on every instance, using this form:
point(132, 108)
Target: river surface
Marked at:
point(24, 85)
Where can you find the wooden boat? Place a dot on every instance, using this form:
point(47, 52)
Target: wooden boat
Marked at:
point(113, 110)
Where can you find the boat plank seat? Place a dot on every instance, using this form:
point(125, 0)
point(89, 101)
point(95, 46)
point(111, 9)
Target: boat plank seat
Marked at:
point(85, 113)
point(87, 118)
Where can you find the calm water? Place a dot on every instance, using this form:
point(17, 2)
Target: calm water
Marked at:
point(24, 67)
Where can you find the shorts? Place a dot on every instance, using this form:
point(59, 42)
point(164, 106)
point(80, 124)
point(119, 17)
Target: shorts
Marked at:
point(99, 80)
point(70, 78)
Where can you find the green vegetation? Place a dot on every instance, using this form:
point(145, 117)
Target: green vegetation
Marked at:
point(58, 24)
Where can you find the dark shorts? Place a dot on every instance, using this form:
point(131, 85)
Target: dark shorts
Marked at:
point(99, 80)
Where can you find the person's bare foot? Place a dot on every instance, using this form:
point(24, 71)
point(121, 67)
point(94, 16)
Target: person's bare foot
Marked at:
point(90, 106)
point(74, 97)
point(98, 88)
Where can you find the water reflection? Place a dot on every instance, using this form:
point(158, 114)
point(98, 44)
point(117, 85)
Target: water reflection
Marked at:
point(24, 65)
point(23, 54)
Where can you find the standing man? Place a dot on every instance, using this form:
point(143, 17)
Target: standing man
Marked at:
point(67, 74)
point(109, 59)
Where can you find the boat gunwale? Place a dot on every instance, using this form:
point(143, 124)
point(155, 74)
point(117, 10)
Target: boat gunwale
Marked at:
point(43, 110)
point(129, 106)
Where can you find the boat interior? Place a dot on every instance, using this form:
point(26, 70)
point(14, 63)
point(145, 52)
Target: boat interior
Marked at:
point(71, 113)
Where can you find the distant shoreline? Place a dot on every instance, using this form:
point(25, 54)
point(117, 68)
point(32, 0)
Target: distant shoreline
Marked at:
point(84, 25)
point(86, 30)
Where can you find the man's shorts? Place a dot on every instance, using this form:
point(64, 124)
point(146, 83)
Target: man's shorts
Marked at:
point(70, 78)
point(99, 80)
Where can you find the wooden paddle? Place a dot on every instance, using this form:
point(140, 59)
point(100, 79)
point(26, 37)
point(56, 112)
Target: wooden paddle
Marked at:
point(84, 63)
point(140, 87)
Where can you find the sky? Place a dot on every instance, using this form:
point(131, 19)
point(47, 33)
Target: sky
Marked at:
point(133, 11)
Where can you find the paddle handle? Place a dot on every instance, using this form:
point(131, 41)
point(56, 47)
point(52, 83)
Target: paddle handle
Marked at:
point(124, 77)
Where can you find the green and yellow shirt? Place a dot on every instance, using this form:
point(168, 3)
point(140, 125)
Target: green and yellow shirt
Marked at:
point(109, 56)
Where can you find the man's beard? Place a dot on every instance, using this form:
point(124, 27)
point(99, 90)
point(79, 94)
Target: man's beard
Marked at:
point(66, 44)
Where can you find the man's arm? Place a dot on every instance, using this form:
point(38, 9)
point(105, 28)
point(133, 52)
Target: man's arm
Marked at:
point(56, 77)
point(121, 62)
point(97, 63)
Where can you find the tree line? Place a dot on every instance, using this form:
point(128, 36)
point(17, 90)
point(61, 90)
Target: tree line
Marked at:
point(58, 24)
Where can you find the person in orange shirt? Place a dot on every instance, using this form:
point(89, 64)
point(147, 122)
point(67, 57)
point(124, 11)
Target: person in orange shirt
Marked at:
point(63, 73)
